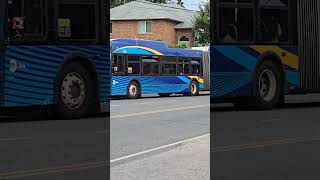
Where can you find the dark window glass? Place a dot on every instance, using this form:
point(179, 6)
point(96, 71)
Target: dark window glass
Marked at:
point(236, 25)
point(118, 64)
point(134, 68)
point(274, 20)
point(196, 67)
point(183, 66)
point(77, 21)
point(150, 65)
point(25, 19)
point(169, 69)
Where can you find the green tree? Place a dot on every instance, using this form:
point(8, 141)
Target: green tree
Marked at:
point(201, 25)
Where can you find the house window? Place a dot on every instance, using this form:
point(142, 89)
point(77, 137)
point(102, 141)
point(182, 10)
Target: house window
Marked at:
point(144, 27)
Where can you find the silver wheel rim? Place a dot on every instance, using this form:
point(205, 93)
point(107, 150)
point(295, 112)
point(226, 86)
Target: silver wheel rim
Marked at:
point(73, 90)
point(193, 88)
point(267, 85)
point(133, 90)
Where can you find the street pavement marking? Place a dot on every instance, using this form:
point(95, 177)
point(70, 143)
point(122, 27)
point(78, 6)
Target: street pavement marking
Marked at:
point(14, 139)
point(265, 144)
point(158, 111)
point(157, 149)
point(54, 170)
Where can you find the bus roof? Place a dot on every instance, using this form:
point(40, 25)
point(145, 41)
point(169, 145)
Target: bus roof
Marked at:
point(148, 47)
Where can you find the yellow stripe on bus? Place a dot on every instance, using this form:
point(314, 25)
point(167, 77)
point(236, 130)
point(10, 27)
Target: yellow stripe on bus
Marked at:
point(290, 59)
point(145, 48)
point(199, 79)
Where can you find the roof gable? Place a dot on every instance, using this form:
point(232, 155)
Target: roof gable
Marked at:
point(145, 10)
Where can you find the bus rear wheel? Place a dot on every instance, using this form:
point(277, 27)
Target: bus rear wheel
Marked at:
point(74, 91)
point(133, 91)
point(268, 85)
point(193, 88)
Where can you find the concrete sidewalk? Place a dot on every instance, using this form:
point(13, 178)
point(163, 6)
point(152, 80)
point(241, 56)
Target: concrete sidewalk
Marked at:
point(189, 161)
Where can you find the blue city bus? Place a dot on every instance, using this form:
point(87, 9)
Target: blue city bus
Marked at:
point(55, 54)
point(151, 67)
point(263, 50)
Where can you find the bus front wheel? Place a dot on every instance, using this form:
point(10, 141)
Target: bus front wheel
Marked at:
point(133, 90)
point(74, 91)
point(268, 85)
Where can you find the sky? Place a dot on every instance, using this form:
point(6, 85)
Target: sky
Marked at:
point(193, 4)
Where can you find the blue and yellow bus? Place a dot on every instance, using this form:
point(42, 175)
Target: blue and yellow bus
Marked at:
point(55, 53)
point(151, 67)
point(263, 50)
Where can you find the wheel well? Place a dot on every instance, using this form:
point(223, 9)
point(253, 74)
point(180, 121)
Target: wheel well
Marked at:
point(85, 62)
point(273, 58)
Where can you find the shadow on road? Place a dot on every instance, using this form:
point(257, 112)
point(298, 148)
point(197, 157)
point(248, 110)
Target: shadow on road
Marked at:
point(20, 115)
point(300, 105)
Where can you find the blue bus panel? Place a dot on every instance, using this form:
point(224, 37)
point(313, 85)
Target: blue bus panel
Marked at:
point(153, 84)
point(233, 68)
point(30, 71)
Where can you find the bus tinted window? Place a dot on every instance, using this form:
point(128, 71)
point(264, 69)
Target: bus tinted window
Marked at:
point(25, 19)
point(169, 65)
point(118, 64)
point(134, 65)
point(169, 69)
point(150, 65)
point(196, 67)
point(274, 20)
point(183, 66)
point(76, 21)
point(236, 25)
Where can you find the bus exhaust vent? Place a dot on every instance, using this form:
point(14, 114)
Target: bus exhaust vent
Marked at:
point(309, 43)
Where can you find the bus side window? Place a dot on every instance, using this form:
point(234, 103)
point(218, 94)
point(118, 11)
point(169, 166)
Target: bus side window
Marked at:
point(196, 67)
point(25, 19)
point(169, 65)
point(134, 67)
point(150, 65)
point(183, 66)
point(117, 64)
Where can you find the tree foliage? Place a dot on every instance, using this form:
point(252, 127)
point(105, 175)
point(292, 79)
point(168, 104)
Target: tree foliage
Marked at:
point(201, 25)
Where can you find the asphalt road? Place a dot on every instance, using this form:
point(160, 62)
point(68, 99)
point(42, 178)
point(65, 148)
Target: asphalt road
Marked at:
point(138, 126)
point(282, 144)
point(54, 149)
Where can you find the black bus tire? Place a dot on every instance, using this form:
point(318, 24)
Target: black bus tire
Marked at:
point(133, 90)
point(193, 88)
point(73, 91)
point(268, 85)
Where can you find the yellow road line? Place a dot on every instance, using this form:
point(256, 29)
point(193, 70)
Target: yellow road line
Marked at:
point(54, 170)
point(158, 111)
point(264, 144)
